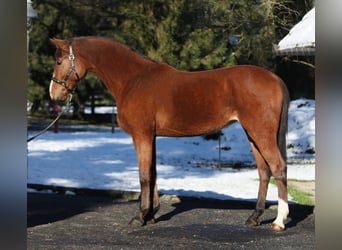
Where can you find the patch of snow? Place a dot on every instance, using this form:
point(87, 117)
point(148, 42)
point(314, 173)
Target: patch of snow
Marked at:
point(99, 159)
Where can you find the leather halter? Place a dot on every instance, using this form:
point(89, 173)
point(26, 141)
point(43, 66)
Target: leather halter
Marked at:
point(71, 69)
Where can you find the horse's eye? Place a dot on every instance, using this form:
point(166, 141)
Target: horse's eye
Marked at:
point(59, 62)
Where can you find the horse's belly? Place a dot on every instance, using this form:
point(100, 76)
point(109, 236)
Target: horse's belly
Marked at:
point(191, 125)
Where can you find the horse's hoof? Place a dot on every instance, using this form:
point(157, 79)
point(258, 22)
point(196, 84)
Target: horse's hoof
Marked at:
point(277, 227)
point(136, 222)
point(252, 222)
point(151, 221)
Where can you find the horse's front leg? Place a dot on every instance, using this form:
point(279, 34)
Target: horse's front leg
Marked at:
point(145, 147)
point(264, 178)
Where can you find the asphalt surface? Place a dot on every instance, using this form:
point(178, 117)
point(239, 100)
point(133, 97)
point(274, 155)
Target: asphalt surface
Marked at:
point(61, 221)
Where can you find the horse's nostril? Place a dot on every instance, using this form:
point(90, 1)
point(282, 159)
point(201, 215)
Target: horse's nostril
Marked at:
point(58, 98)
point(61, 97)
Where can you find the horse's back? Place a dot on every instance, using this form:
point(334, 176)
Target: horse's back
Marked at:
point(203, 102)
point(238, 87)
point(192, 103)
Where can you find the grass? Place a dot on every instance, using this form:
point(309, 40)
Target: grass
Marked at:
point(298, 196)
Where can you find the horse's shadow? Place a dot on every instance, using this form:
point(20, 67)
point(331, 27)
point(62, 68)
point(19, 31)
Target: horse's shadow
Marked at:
point(44, 208)
point(297, 213)
point(48, 208)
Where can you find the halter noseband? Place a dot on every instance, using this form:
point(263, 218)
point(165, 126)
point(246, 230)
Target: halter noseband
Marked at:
point(71, 69)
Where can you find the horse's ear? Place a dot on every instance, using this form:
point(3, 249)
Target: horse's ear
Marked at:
point(60, 44)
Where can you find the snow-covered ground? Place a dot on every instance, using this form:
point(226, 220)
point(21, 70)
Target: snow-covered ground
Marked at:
point(99, 159)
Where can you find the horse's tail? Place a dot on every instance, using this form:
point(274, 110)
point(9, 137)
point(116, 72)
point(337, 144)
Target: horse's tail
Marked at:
point(283, 122)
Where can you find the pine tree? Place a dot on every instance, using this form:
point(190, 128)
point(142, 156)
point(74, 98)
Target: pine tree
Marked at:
point(189, 35)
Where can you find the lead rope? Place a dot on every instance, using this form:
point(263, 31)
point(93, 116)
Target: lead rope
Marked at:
point(67, 107)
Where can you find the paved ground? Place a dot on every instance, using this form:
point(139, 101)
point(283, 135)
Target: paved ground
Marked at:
point(57, 221)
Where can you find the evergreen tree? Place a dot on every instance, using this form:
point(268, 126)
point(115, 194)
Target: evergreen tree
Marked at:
point(187, 34)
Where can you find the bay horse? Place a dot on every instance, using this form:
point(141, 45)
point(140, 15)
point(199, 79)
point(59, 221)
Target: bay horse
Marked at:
point(155, 99)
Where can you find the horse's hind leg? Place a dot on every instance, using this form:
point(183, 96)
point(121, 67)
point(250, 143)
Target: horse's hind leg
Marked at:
point(277, 166)
point(279, 172)
point(266, 147)
point(264, 178)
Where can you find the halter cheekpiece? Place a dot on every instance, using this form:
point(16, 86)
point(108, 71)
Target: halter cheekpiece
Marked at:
point(71, 69)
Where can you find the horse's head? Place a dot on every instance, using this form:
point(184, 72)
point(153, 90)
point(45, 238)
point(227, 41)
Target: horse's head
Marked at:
point(68, 70)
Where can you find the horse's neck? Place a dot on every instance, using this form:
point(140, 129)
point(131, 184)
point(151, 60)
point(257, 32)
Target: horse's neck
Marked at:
point(114, 65)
